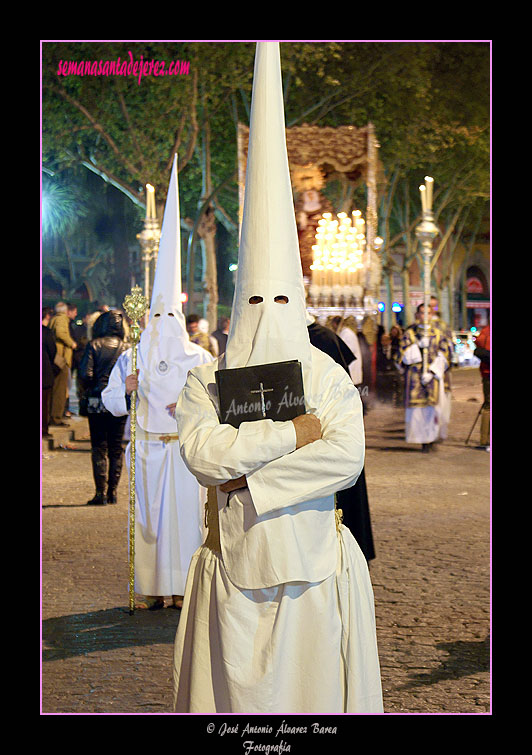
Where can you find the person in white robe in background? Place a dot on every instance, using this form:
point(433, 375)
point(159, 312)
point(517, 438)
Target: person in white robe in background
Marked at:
point(445, 394)
point(349, 336)
point(169, 513)
point(278, 614)
point(423, 389)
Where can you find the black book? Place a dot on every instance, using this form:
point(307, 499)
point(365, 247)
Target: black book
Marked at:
point(263, 391)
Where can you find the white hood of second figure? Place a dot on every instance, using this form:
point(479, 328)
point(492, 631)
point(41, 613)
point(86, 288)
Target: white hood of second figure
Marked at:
point(165, 353)
point(269, 263)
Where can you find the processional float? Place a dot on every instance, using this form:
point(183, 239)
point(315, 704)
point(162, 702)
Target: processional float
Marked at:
point(339, 253)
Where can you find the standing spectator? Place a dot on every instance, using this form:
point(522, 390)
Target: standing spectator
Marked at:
point(106, 430)
point(353, 501)
point(385, 366)
point(196, 335)
point(92, 317)
point(203, 326)
point(398, 379)
point(78, 331)
point(48, 349)
point(346, 329)
point(221, 333)
point(65, 344)
point(482, 351)
point(445, 397)
point(389, 375)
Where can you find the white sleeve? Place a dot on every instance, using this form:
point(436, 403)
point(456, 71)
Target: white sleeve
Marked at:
point(412, 354)
point(216, 453)
point(114, 394)
point(318, 469)
point(439, 365)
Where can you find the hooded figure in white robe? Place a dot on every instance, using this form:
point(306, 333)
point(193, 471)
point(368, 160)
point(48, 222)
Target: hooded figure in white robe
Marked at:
point(169, 514)
point(278, 615)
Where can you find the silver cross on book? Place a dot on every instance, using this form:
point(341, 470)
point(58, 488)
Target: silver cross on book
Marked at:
point(263, 391)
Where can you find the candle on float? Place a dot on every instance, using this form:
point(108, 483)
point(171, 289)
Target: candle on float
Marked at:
point(423, 193)
point(150, 201)
point(429, 183)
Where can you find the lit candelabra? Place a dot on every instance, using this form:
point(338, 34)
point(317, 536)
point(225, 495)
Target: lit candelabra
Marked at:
point(338, 260)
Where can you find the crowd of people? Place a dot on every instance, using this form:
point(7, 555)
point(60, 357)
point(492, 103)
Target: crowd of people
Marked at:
point(79, 353)
point(65, 336)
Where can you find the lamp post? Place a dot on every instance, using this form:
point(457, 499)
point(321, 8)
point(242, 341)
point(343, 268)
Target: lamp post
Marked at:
point(149, 237)
point(426, 232)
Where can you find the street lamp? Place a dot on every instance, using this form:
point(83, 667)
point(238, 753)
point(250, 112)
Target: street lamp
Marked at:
point(426, 232)
point(149, 237)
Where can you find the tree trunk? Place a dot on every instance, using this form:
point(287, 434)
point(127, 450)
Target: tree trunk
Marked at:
point(463, 289)
point(389, 319)
point(450, 304)
point(207, 233)
point(407, 309)
point(121, 263)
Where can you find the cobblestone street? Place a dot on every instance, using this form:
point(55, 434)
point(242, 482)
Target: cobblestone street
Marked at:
point(431, 577)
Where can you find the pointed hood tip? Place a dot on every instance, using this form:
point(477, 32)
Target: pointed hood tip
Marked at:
point(166, 292)
point(269, 262)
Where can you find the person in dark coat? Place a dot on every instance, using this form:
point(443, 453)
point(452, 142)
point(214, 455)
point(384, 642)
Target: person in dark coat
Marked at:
point(354, 501)
point(78, 331)
point(221, 333)
point(49, 370)
point(106, 430)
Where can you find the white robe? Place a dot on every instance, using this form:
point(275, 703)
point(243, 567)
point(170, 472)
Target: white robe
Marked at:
point(444, 410)
point(350, 338)
point(426, 424)
point(279, 616)
point(169, 502)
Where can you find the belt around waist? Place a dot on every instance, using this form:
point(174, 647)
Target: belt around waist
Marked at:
point(160, 437)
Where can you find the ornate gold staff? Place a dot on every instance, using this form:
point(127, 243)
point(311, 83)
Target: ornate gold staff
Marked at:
point(135, 306)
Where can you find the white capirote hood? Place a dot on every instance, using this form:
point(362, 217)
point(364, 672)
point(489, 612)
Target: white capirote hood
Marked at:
point(165, 353)
point(269, 263)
